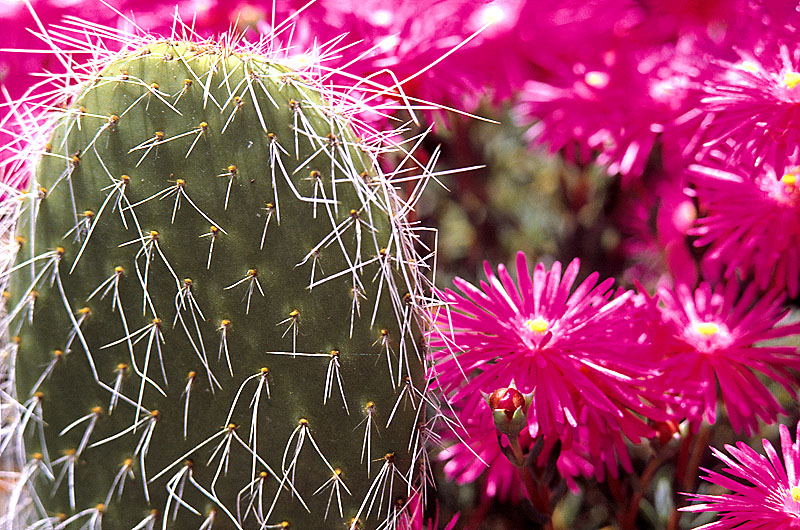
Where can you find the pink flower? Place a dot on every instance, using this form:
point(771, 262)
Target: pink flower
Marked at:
point(583, 353)
point(765, 492)
point(710, 338)
point(556, 33)
point(617, 103)
point(752, 107)
point(719, 21)
point(749, 220)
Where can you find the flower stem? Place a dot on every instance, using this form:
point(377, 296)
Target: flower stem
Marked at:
point(692, 449)
point(519, 456)
point(538, 494)
point(699, 448)
point(629, 517)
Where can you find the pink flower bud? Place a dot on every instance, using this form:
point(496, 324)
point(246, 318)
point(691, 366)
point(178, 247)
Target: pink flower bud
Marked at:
point(508, 400)
point(509, 406)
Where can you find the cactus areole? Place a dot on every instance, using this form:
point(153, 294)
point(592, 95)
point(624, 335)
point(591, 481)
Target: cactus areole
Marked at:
point(214, 306)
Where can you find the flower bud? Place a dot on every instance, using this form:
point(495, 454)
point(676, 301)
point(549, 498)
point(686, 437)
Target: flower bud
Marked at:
point(508, 400)
point(509, 407)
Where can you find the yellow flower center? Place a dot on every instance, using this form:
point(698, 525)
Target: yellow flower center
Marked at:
point(795, 491)
point(706, 328)
point(789, 179)
point(596, 79)
point(791, 79)
point(537, 325)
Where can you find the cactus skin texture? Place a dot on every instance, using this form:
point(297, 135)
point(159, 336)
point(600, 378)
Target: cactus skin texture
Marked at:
point(190, 246)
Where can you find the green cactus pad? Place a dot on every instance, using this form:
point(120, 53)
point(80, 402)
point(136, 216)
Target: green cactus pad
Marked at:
point(220, 327)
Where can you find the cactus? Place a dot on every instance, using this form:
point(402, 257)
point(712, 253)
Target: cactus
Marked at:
point(213, 306)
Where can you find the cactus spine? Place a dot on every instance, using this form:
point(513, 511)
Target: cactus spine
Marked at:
point(214, 302)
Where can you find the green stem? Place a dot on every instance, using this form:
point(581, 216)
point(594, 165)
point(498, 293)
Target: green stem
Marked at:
point(686, 476)
point(519, 456)
point(537, 494)
point(629, 519)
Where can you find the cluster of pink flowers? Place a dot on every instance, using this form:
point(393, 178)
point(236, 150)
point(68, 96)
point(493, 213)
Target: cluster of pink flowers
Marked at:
point(605, 366)
point(608, 367)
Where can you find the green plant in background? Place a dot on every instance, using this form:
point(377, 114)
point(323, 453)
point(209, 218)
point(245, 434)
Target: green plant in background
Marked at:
point(518, 199)
point(214, 304)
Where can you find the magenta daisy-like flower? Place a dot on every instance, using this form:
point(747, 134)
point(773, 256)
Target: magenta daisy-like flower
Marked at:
point(711, 339)
point(752, 107)
point(616, 104)
point(750, 223)
point(765, 492)
point(583, 352)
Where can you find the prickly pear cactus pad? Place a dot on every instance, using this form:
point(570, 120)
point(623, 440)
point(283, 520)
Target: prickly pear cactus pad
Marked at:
point(213, 306)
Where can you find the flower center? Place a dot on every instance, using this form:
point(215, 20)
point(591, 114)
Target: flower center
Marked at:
point(537, 325)
point(789, 180)
point(795, 491)
point(791, 79)
point(706, 329)
point(785, 189)
point(597, 79)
